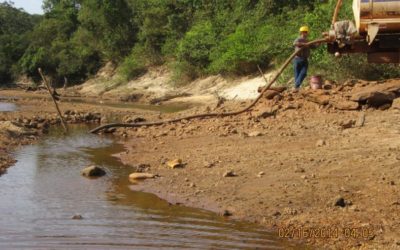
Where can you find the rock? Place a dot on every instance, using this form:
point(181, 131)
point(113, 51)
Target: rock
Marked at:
point(347, 124)
point(93, 171)
point(141, 176)
point(177, 163)
point(299, 170)
point(385, 106)
point(270, 94)
point(209, 164)
point(227, 213)
point(109, 130)
point(261, 174)
point(341, 202)
point(255, 134)
point(77, 217)
point(13, 129)
point(142, 168)
point(360, 121)
point(345, 105)
point(275, 89)
point(319, 98)
point(268, 112)
point(377, 95)
point(104, 120)
point(396, 104)
point(229, 173)
point(321, 143)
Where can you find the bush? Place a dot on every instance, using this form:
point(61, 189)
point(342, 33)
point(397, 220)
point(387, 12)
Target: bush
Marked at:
point(134, 64)
point(195, 47)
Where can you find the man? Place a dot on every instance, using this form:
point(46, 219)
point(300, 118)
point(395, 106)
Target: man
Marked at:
point(301, 59)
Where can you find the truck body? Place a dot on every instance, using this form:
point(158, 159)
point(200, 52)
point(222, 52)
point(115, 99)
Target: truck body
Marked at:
point(378, 31)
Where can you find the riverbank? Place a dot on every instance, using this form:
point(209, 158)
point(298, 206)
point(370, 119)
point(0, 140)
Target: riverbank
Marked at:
point(296, 163)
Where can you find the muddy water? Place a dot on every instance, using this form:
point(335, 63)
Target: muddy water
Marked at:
point(39, 196)
point(7, 107)
point(164, 108)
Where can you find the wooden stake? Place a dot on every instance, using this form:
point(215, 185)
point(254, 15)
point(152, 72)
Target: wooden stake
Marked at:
point(54, 100)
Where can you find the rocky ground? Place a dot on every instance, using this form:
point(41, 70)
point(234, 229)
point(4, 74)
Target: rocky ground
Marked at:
point(317, 166)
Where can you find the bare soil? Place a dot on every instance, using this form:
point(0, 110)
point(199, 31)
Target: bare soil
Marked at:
point(295, 164)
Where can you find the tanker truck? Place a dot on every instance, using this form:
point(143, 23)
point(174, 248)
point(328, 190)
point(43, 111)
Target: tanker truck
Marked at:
point(375, 31)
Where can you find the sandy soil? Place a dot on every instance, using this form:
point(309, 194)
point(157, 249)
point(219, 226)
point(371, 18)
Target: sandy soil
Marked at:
point(295, 164)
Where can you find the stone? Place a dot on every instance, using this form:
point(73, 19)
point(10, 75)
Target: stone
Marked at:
point(319, 98)
point(268, 112)
point(340, 202)
point(229, 173)
point(141, 176)
point(345, 105)
point(321, 143)
point(347, 124)
point(396, 104)
point(377, 95)
point(227, 213)
point(361, 120)
point(261, 174)
point(13, 129)
point(141, 168)
point(109, 130)
point(270, 94)
point(255, 134)
point(93, 171)
point(177, 163)
point(77, 217)
point(299, 170)
point(275, 89)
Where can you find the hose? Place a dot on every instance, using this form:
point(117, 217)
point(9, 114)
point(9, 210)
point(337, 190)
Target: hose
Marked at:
point(211, 115)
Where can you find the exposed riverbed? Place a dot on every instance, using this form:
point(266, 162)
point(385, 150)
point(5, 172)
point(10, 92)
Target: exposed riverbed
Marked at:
point(41, 193)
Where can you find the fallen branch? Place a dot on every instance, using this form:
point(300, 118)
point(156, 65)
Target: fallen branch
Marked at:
point(54, 100)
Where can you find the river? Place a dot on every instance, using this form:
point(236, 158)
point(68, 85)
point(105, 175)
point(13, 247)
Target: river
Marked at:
point(44, 190)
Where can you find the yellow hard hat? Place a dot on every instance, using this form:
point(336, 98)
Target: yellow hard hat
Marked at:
point(304, 29)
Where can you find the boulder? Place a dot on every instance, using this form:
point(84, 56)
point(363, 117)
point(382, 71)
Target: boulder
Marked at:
point(93, 171)
point(377, 95)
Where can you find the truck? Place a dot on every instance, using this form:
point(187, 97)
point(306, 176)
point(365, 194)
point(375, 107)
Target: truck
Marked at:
point(375, 31)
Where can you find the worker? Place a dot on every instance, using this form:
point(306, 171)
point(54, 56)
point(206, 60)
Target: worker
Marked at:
point(301, 59)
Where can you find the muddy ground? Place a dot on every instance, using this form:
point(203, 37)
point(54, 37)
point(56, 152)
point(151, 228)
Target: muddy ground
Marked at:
point(300, 163)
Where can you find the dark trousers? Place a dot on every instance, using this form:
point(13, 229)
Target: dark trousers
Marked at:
point(300, 70)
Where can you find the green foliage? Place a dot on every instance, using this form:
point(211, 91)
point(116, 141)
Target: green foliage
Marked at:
point(134, 64)
point(74, 38)
point(15, 24)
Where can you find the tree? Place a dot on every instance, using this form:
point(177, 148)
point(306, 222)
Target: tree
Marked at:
point(14, 26)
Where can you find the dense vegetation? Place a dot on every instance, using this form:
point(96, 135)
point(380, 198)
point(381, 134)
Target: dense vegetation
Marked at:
point(74, 38)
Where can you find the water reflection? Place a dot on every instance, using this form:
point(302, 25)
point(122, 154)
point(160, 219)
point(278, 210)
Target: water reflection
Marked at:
point(7, 107)
point(42, 192)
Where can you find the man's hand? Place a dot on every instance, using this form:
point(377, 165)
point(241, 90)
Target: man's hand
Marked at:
point(300, 44)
